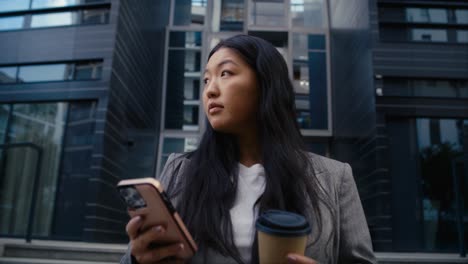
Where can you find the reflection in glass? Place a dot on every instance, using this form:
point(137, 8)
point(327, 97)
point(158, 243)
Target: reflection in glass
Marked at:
point(40, 73)
point(192, 88)
point(8, 74)
point(88, 71)
point(42, 124)
point(300, 46)
point(429, 35)
point(190, 118)
point(189, 59)
point(60, 3)
point(181, 39)
point(309, 80)
point(55, 19)
point(11, 23)
point(13, 5)
point(440, 143)
point(426, 15)
point(4, 114)
point(95, 16)
point(462, 36)
point(267, 13)
point(228, 15)
point(182, 63)
point(307, 13)
point(75, 171)
point(189, 12)
point(461, 16)
point(425, 88)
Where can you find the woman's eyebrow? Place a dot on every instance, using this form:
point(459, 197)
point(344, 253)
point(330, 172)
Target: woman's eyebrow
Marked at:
point(224, 62)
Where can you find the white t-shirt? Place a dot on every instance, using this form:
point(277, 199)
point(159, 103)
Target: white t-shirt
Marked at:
point(250, 185)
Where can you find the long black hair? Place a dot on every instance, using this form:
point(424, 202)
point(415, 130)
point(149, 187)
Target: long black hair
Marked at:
point(208, 183)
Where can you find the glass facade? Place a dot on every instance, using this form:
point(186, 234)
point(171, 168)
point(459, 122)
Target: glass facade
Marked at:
point(308, 13)
point(20, 5)
point(425, 88)
point(423, 24)
point(429, 35)
point(428, 159)
point(42, 124)
point(55, 19)
point(228, 15)
point(59, 129)
point(310, 80)
point(427, 15)
point(183, 94)
point(74, 71)
point(267, 13)
point(189, 12)
point(11, 23)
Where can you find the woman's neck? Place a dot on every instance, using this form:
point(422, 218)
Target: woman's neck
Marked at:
point(249, 149)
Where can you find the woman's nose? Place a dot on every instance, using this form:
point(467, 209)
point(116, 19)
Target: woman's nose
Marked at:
point(212, 90)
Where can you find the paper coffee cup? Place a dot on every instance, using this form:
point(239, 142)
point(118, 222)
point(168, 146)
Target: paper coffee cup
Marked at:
point(281, 233)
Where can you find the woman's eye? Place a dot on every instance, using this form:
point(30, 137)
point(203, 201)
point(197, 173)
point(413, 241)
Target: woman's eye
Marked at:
point(225, 73)
point(205, 81)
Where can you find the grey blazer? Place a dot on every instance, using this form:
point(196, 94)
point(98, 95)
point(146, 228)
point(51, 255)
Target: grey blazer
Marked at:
point(350, 243)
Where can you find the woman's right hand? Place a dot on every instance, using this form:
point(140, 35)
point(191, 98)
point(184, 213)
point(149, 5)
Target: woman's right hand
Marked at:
point(140, 244)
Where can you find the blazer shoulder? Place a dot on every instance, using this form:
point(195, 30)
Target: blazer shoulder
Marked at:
point(323, 164)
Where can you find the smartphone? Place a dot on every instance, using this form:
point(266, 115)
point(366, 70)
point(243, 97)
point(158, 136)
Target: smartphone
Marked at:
point(146, 198)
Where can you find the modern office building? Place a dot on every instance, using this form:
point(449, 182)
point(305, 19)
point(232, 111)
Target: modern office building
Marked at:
point(108, 89)
point(80, 80)
point(420, 60)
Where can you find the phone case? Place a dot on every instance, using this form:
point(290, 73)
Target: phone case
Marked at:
point(155, 208)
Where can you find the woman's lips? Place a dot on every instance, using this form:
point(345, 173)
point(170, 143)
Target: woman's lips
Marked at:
point(214, 108)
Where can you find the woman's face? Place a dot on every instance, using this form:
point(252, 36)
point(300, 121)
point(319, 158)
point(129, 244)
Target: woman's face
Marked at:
point(230, 96)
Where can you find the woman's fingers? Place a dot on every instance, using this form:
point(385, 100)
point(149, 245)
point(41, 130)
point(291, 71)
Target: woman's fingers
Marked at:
point(133, 226)
point(160, 253)
point(298, 259)
point(141, 243)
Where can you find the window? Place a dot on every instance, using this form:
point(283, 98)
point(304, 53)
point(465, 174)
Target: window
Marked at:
point(182, 39)
point(190, 12)
point(461, 16)
point(183, 94)
point(44, 125)
point(427, 167)
point(426, 15)
point(94, 16)
point(76, 71)
point(11, 23)
point(41, 73)
point(462, 36)
point(55, 19)
point(308, 13)
point(13, 5)
point(425, 88)
point(64, 131)
point(88, 71)
point(60, 3)
point(429, 35)
point(20, 5)
point(267, 13)
point(310, 80)
point(8, 74)
point(422, 24)
point(230, 14)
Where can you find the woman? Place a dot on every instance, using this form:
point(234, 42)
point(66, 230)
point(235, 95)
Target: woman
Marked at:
point(251, 158)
